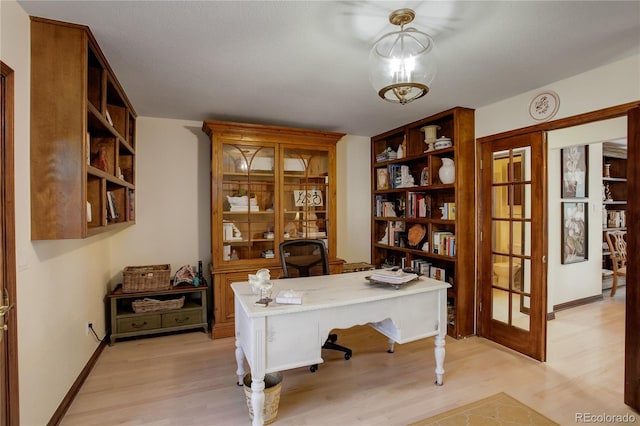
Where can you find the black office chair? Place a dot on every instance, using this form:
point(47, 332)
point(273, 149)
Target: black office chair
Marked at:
point(305, 258)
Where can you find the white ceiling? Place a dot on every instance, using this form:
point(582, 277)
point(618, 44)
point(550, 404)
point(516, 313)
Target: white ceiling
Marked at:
point(304, 64)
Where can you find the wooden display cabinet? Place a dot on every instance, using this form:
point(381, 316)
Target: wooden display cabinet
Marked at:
point(82, 136)
point(269, 184)
point(418, 221)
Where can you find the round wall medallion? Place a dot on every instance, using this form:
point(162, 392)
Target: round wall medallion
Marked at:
point(544, 106)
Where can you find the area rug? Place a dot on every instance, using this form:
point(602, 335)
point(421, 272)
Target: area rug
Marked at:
point(499, 409)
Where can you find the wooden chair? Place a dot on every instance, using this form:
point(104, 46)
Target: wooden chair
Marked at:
point(618, 254)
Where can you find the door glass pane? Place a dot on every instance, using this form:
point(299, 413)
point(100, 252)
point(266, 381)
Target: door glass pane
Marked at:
point(500, 266)
point(516, 248)
point(306, 189)
point(526, 242)
point(248, 201)
point(520, 314)
point(500, 202)
point(525, 157)
point(500, 306)
point(500, 237)
point(500, 167)
point(526, 202)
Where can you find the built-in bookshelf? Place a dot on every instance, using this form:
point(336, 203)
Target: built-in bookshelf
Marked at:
point(422, 217)
point(614, 204)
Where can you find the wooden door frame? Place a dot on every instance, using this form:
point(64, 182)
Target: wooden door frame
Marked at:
point(632, 322)
point(11, 414)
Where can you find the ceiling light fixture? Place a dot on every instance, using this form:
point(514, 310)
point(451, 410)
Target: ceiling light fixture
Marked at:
point(401, 64)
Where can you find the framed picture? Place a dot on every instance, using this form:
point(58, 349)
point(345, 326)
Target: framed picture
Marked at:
point(382, 179)
point(575, 236)
point(574, 161)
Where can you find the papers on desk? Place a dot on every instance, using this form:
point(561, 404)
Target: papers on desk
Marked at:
point(393, 277)
point(289, 297)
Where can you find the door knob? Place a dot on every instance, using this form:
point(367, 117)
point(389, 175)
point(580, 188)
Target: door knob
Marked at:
point(4, 309)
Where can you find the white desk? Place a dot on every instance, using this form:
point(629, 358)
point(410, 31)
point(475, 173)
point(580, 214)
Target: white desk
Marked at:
point(281, 337)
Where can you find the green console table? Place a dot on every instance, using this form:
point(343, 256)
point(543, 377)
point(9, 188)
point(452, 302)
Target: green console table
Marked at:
point(127, 323)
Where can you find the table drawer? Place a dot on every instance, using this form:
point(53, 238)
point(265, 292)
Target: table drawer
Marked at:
point(182, 317)
point(137, 323)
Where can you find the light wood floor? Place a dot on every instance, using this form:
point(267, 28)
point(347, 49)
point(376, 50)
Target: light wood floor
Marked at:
point(189, 379)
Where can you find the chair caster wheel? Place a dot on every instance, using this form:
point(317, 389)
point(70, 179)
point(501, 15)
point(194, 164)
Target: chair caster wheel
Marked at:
point(347, 356)
point(333, 338)
point(313, 368)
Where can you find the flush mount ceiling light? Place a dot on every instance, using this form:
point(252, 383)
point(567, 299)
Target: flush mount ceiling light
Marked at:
point(401, 63)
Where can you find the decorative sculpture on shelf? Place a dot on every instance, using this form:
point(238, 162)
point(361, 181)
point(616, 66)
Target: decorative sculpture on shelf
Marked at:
point(100, 161)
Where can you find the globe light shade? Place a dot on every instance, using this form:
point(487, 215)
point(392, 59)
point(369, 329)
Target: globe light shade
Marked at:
point(401, 63)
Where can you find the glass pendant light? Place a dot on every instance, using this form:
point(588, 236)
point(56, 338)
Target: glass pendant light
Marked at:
point(401, 63)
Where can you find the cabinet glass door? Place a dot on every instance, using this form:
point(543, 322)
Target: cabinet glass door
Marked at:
point(305, 201)
point(248, 202)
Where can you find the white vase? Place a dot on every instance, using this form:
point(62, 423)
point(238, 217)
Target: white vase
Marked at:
point(447, 171)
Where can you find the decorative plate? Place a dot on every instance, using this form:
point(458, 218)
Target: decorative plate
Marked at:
point(544, 106)
point(416, 233)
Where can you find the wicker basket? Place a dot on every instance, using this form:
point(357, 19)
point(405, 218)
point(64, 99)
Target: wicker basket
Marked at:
point(146, 278)
point(272, 387)
point(152, 305)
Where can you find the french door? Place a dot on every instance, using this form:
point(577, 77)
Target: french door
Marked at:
point(512, 277)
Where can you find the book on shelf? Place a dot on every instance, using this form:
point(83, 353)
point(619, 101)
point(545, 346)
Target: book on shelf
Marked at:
point(448, 211)
point(108, 117)
point(384, 207)
point(421, 266)
point(419, 204)
point(443, 242)
point(438, 273)
point(395, 176)
point(112, 208)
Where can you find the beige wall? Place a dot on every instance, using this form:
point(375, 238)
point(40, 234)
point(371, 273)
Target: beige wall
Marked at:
point(172, 198)
point(354, 199)
point(61, 284)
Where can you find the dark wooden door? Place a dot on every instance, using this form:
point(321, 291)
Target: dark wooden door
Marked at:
point(513, 300)
point(9, 413)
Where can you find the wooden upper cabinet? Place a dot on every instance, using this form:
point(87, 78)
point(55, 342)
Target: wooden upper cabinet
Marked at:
point(82, 136)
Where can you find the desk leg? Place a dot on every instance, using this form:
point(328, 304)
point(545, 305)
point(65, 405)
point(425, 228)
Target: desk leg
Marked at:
point(439, 353)
point(257, 399)
point(391, 346)
point(240, 362)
